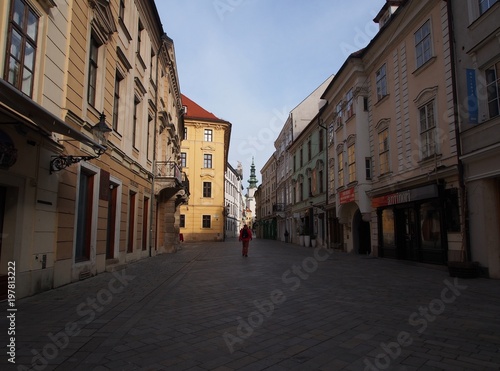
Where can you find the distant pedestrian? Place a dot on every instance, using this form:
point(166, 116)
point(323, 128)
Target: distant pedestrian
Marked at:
point(245, 238)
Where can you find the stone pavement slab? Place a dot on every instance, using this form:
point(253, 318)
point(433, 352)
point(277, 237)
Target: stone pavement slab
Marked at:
point(284, 307)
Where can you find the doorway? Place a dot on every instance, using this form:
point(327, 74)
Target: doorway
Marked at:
point(112, 213)
point(361, 235)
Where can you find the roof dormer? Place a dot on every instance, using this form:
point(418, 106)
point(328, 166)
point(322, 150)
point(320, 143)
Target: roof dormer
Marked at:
point(385, 14)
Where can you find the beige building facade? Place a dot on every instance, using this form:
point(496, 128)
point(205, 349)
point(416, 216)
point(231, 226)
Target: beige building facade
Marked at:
point(80, 201)
point(392, 144)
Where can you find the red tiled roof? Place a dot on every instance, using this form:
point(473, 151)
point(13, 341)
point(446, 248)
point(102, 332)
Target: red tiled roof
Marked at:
point(196, 111)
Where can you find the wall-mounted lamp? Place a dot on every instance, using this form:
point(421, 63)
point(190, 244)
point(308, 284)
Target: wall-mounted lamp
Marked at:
point(100, 132)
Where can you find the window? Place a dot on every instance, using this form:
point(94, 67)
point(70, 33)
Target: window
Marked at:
point(320, 180)
point(493, 89)
point(92, 83)
point(185, 134)
point(121, 13)
point(351, 157)
point(183, 159)
point(339, 114)
point(301, 158)
point(484, 5)
point(116, 101)
point(134, 124)
point(350, 104)
point(331, 173)
point(340, 158)
point(423, 44)
point(207, 189)
point(21, 47)
point(140, 29)
point(208, 135)
point(309, 151)
point(309, 183)
point(321, 139)
point(294, 162)
point(150, 124)
point(383, 151)
point(368, 168)
point(151, 64)
point(84, 216)
point(301, 191)
point(381, 79)
point(207, 161)
point(182, 221)
point(206, 223)
point(427, 130)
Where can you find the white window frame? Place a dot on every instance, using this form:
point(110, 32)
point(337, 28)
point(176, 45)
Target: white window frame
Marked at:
point(349, 97)
point(338, 110)
point(423, 44)
point(209, 220)
point(487, 4)
point(493, 89)
point(207, 160)
point(381, 82)
point(208, 135)
point(340, 170)
point(351, 162)
point(427, 129)
point(384, 151)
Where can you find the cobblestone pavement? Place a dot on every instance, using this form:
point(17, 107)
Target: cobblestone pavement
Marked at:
point(284, 307)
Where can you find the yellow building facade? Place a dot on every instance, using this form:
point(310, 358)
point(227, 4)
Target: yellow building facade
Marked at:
point(204, 154)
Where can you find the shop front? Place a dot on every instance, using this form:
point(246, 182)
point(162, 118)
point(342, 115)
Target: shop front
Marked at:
point(412, 225)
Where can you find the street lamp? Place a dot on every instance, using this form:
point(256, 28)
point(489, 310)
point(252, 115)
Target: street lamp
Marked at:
point(100, 132)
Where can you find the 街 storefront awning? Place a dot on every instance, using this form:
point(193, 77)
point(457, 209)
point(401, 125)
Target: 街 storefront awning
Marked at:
point(16, 101)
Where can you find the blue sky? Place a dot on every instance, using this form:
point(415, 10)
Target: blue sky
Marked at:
point(250, 62)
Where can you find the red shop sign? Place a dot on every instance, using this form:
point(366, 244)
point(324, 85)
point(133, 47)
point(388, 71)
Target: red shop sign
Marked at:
point(346, 196)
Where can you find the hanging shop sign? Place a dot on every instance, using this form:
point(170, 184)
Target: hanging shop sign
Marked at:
point(422, 193)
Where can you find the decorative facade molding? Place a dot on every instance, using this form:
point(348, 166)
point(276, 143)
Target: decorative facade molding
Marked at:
point(103, 22)
point(382, 124)
point(426, 95)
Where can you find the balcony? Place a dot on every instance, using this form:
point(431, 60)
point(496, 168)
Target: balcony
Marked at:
point(168, 175)
point(278, 208)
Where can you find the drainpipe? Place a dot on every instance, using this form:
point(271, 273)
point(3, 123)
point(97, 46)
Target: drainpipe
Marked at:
point(327, 224)
point(461, 180)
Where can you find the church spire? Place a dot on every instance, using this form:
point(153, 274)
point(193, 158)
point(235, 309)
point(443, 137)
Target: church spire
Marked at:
point(253, 179)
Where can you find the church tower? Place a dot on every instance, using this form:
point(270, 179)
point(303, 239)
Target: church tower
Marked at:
point(250, 198)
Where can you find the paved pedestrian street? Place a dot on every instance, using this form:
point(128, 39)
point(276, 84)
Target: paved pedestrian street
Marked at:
point(284, 307)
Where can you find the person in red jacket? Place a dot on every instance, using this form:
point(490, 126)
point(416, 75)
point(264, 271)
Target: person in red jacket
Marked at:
point(245, 238)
